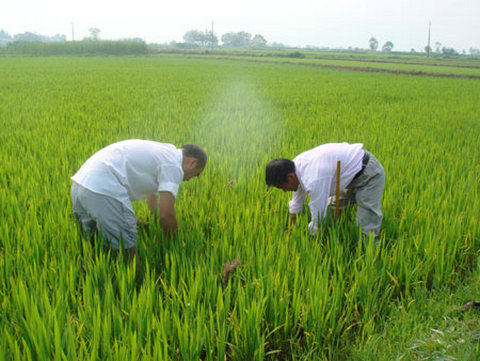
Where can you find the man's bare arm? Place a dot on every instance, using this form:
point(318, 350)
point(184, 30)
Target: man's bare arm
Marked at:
point(166, 208)
point(152, 202)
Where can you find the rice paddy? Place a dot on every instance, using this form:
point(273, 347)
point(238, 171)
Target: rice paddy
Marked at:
point(290, 297)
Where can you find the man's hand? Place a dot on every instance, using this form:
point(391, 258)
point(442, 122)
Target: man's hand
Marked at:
point(293, 219)
point(152, 202)
point(163, 207)
point(291, 223)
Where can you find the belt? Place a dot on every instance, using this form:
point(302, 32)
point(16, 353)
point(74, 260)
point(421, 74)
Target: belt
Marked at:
point(365, 159)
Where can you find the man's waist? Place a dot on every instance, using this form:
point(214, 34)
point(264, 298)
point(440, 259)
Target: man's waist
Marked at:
point(365, 159)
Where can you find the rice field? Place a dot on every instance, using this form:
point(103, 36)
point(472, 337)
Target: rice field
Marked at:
point(444, 68)
point(292, 297)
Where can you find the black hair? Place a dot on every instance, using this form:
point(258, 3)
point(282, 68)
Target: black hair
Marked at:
point(277, 170)
point(197, 152)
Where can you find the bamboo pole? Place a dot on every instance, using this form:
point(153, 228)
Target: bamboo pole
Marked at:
point(337, 192)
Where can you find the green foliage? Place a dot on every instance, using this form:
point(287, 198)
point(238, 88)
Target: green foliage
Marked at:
point(373, 44)
point(387, 47)
point(241, 39)
point(431, 326)
point(295, 54)
point(186, 46)
point(200, 39)
point(294, 297)
point(85, 47)
point(408, 63)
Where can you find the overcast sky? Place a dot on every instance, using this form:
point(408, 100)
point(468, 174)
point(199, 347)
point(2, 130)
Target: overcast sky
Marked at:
point(324, 23)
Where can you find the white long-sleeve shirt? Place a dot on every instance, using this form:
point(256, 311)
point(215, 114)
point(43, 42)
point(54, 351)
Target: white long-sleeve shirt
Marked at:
point(316, 170)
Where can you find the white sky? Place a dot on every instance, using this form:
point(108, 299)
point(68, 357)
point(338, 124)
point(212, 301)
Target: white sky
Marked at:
point(328, 23)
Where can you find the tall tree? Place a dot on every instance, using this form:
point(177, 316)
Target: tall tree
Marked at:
point(258, 42)
point(195, 37)
point(373, 43)
point(211, 39)
point(236, 40)
point(28, 36)
point(387, 47)
point(474, 51)
point(449, 51)
point(5, 37)
point(94, 33)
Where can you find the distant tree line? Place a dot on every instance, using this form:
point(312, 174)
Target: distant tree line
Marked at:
point(6, 38)
point(35, 44)
point(207, 39)
point(84, 47)
point(439, 49)
point(39, 45)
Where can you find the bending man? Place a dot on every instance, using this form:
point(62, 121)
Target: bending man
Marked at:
point(314, 172)
point(127, 171)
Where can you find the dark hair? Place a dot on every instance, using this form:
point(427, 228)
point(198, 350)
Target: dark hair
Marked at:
point(197, 152)
point(277, 170)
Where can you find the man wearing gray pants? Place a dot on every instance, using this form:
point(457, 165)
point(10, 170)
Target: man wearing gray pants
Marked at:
point(109, 181)
point(314, 172)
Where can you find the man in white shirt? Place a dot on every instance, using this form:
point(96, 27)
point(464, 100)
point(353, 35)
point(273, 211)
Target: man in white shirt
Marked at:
point(126, 171)
point(314, 172)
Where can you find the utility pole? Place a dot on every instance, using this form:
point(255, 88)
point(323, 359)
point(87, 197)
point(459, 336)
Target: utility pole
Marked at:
point(73, 32)
point(428, 46)
point(212, 36)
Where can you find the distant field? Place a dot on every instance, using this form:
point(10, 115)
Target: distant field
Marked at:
point(407, 67)
point(294, 297)
point(439, 68)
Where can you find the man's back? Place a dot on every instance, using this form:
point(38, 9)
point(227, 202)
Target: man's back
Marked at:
point(132, 169)
point(321, 162)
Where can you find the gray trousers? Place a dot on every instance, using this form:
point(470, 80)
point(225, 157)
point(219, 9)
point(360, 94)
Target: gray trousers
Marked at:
point(366, 191)
point(116, 222)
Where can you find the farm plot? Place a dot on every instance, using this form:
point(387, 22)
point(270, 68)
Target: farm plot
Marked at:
point(292, 297)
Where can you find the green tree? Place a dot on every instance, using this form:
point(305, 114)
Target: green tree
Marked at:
point(236, 40)
point(278, 45)
point(211, 39)
point(474, 51)
point(258, 42)
point(373, 43)
point(387, 47)
point(28, 36)
point(195, 37)
point(94, 33)
point(5, 37)
point(449, 51)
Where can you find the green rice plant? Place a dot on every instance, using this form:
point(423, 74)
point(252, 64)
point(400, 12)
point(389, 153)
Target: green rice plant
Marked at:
point(293, 296)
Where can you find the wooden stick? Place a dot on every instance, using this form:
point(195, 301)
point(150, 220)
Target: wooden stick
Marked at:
point(337, 192)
